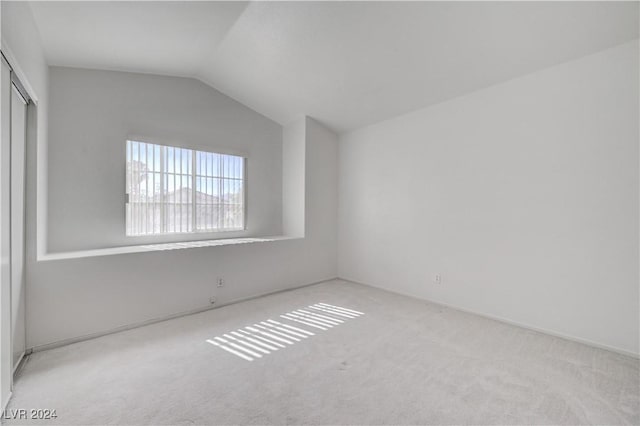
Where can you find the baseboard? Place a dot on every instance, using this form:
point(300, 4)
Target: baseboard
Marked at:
point(6, 403)
point(509, 321)
point(20, 363)
point(16, 370)
point(72, 340)
point(78, 339)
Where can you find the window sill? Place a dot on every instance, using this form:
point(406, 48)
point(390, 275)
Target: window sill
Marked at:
point(144, 248)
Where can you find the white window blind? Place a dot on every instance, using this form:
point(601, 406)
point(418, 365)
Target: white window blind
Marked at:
point(176, 190)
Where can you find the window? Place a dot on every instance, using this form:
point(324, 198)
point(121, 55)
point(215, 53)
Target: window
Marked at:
point(176, 190)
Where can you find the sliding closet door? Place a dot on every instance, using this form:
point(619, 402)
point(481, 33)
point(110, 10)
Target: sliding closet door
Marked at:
point(13, 116)
point(18, 143)
point(6, 369)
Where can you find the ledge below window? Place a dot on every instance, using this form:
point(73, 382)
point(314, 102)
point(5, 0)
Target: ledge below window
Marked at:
point(159, 247)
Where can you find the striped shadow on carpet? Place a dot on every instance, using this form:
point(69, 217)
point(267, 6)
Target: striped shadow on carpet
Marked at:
point(260, 339)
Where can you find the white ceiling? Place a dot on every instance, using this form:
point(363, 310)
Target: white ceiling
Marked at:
point(173, 38)
point(347, 64)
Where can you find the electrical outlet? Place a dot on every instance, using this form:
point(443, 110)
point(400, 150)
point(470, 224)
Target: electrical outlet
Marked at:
point(220, 282)
point(437, 278)
point(212, 300)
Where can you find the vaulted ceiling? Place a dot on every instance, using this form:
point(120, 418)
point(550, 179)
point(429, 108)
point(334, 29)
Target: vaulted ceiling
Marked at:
point(347, 64)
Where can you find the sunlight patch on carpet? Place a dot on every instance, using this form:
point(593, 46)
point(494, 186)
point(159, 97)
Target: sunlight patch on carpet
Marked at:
point(264, 337)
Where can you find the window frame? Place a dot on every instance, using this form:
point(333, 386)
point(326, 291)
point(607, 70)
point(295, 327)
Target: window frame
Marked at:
point(194, 148)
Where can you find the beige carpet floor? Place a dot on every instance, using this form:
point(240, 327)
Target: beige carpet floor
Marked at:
point(401, 361)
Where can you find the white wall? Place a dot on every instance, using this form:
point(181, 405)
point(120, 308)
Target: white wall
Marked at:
point(293, 187)
point(96, 111)
point(67, 299)
point(76, 297)
point(524, 196)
